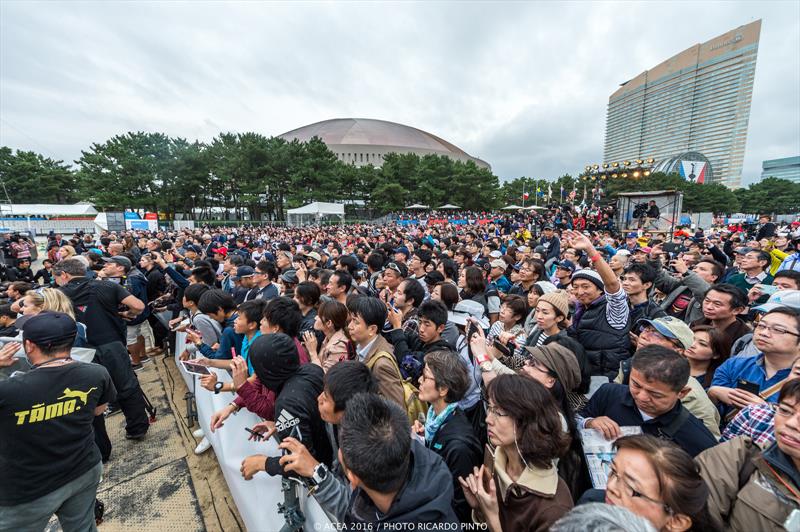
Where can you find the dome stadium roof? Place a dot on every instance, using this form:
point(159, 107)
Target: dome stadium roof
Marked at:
point(365, 132)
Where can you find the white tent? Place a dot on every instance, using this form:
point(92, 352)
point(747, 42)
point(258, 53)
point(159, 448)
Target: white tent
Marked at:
point(513, 208)
point(315, 213)
point(449, 206)
point(48, 209)
point(417, 206)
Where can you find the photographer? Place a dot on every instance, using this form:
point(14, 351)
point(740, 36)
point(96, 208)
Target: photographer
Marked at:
point(685, 289)
point(276, 363)
point(330, 486)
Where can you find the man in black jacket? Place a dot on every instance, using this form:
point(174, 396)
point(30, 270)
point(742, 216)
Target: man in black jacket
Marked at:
point(659, 380)
point(395, 479)
point(276, 363)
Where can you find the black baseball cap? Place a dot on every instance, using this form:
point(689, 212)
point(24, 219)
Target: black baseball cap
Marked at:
point(119, 259)
point(47, 329)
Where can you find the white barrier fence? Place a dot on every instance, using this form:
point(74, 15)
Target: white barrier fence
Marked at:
point(257, 499)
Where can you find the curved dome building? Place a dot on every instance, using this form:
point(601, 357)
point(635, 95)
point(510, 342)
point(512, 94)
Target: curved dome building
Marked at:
point(361, 141)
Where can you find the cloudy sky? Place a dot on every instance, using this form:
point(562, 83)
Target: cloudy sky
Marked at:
point(523, 86)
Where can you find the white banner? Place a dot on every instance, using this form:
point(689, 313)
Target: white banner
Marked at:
point(257, 500)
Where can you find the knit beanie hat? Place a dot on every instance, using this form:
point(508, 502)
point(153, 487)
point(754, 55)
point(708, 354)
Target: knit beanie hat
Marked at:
point(591, 276)
point(275, 359)
point(559, 299)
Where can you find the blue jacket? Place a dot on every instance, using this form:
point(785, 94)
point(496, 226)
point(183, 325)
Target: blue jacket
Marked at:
point(229, 338)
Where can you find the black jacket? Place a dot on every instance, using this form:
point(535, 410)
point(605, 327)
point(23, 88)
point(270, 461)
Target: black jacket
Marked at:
point(426, 496)
point(615, 401)
point(296, 412)
point(460, 449)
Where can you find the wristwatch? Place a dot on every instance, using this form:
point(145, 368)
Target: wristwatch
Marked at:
point(320, 474)
point(218, 387)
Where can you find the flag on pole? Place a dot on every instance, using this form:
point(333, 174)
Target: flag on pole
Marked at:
point(561, 195)
point(526, 195)
point(549, 191)
point(584, 192)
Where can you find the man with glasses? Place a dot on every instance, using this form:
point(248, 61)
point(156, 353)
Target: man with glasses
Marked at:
point(263, 276)
point(777, 336)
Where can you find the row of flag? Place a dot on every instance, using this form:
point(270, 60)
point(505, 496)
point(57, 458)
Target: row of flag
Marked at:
point(540, 193)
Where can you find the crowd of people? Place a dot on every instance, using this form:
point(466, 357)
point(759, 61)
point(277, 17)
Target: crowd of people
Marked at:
point(430, 373)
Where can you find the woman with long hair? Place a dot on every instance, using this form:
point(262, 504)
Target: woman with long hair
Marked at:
point(331, 320)
point(524, 493)
point(706, 354)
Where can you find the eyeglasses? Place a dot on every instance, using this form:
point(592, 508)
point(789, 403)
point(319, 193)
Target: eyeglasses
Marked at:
point(785, 410)
point(494, 412)
point(774, 329)
point(628, 490)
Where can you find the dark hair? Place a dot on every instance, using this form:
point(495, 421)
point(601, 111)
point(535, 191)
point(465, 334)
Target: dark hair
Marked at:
point(284, 313)
point(423, 255)
point(350, 263)
point(204, 275)
point(680, 484)
point(537, 266)
point(450, 267)
point(645, 272)
point(49, 350)
point(235, 259)
point(5, 310)
point(268, 267)
point(335, 312)
point(448, 372)
point(717, 267)
point(73, 267)
point(414, 292)
point(738, 297)
point(375, 261)
point(788, 311)
point(346, 379)
point(21, 286)
point(791, 275)
point(518, 305)
point(215, 300)
point(476, 283)
point(720, 347)
point(763, 256)
point(308, 292)
point(662, 364)
point(344, 279)
point(449, 294)
point(252, 310)
point(435, 311)
point(194, 292)
point(790, 390)
point(375, 441)
point(539, 436)
point(371, 310)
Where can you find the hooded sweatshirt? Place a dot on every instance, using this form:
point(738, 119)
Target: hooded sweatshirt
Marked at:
point(426, 496)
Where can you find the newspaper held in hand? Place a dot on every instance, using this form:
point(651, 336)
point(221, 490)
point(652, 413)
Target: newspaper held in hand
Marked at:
point(600, 452)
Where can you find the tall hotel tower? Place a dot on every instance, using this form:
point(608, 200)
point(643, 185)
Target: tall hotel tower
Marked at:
point(696, 101)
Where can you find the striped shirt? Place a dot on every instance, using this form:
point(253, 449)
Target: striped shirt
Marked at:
point(617, 309)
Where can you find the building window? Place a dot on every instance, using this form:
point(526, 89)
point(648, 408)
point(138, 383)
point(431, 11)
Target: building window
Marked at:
point(362, 157)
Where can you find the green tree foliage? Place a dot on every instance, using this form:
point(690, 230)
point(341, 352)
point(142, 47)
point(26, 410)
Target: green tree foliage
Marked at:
point(32, 178)
point(260, 177)
point(770, 195)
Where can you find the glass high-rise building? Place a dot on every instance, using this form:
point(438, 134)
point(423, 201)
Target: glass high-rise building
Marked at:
point(696, 101)
point(786, 168)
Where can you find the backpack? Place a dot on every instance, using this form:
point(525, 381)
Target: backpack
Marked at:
point(414, 406)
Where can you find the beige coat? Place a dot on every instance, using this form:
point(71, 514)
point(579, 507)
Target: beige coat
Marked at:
point(333, 350)
point(386, 373)
point(762, 504)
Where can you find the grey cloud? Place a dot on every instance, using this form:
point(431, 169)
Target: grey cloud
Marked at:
point(521, 85)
